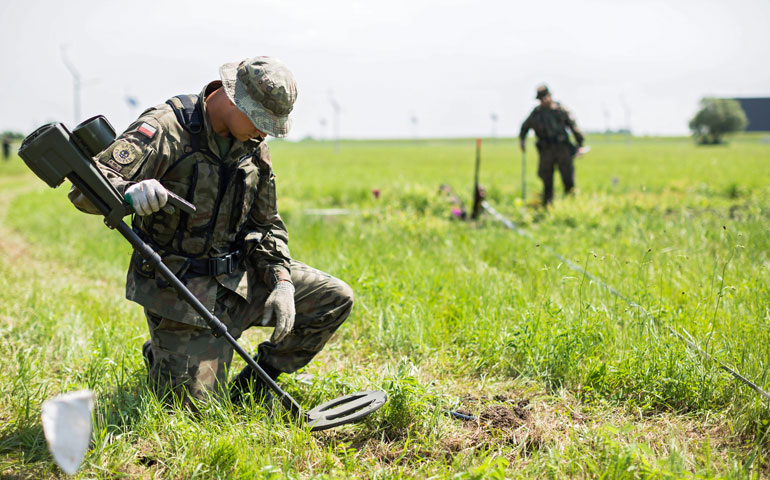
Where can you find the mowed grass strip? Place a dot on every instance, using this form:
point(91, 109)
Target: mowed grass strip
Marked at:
point(566, 379)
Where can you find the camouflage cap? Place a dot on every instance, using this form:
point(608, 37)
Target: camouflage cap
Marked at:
point(264, 89)
point(542, 91)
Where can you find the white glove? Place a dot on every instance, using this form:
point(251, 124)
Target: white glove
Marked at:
point(148, 196)
point(280, 301)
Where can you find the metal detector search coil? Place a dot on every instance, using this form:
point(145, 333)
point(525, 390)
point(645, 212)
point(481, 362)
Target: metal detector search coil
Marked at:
point(52, 152)
point(347, 409)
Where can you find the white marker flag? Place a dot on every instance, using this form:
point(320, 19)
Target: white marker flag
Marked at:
point(67, 427)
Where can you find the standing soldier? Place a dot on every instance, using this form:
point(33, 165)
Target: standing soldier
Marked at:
point(550, 121)
point(232, 253)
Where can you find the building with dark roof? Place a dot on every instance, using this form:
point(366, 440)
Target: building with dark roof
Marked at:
point(757, 112)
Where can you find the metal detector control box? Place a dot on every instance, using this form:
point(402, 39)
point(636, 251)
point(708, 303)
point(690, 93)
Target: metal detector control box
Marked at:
point(54, 153)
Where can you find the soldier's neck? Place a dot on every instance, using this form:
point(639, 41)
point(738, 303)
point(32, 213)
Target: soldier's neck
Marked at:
point(216, 103)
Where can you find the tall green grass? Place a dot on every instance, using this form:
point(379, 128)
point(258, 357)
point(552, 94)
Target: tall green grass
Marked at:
point(445, 311)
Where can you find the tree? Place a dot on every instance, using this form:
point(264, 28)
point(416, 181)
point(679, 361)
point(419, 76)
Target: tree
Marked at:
point(12, 135)
point(716, 117)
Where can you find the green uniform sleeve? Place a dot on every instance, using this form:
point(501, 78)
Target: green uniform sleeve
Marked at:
point(267, 239)
point(572, 125)
point(525, 127)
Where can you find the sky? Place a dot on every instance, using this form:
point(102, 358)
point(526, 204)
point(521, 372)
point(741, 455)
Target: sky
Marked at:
point(396, 69)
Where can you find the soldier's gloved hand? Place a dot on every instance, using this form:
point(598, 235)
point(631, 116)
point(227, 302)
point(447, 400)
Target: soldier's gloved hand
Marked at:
point(280, 302)
point(147, 197)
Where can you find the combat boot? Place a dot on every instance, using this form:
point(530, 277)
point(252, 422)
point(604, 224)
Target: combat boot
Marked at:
point(248, 380)
point(149, 357)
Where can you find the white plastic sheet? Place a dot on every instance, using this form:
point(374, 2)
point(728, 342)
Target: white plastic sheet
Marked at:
point(67, 427)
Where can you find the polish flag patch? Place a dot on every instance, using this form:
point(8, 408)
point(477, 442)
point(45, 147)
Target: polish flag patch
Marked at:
point(147, 130)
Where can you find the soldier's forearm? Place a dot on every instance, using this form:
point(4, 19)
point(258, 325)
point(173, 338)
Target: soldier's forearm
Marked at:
point(269, 254)
point(276, 273)
point(578, 137)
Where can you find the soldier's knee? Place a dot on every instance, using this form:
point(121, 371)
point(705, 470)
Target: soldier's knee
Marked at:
point(348, 292)
point(345, 294)
point(341, 305)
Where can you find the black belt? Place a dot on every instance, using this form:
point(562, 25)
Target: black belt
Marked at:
point(198, 267)
point(552, 140)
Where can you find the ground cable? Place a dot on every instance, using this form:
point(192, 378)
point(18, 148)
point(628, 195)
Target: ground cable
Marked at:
point(512, 226)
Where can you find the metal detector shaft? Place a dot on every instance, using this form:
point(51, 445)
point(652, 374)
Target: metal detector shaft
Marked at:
point(218, 329)
point(476, 194)
point(523, 176)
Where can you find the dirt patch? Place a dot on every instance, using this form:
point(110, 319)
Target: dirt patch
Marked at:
point(523, 421)
point(509, 413)
point(501, 417)
point(496, 421)
point(146, 464)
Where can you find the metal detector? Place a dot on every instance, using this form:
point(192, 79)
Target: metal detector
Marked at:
point(523, 176)
point(53, 153)
point(478, 190)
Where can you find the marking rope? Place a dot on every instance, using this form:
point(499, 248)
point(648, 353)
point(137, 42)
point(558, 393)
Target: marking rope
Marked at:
point(512, 226)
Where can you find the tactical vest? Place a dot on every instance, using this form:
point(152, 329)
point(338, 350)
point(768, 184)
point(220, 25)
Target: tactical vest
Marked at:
point(550, 126)
point(223, 194)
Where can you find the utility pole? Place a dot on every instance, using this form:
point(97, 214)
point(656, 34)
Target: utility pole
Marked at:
point(322, 135)
point(494, 118)
point(336, 108)
point(606, 121)
point(627, 115)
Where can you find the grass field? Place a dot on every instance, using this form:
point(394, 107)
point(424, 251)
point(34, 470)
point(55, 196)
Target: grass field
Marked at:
point(566, 379)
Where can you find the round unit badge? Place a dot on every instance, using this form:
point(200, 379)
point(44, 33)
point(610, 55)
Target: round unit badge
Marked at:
point(124, 153)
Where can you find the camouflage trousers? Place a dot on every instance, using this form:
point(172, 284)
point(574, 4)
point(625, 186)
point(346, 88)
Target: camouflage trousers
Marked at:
point(189, 360)
point(552, 156)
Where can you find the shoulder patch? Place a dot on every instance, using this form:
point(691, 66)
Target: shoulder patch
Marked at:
point(147, 130)
point(125, 152)
point(114, 165)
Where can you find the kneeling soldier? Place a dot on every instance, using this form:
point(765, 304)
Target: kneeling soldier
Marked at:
point(232, 253)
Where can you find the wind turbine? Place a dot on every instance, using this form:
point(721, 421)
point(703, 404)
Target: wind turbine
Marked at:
point(75, 82)
point(336, 108)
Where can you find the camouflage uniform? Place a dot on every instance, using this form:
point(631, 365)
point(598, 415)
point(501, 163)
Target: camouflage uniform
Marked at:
point(553, 145)
point(236, 224)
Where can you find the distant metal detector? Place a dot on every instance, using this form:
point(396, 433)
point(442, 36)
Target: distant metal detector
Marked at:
point(53, 153)
point(478, 191)
point(523, 176)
